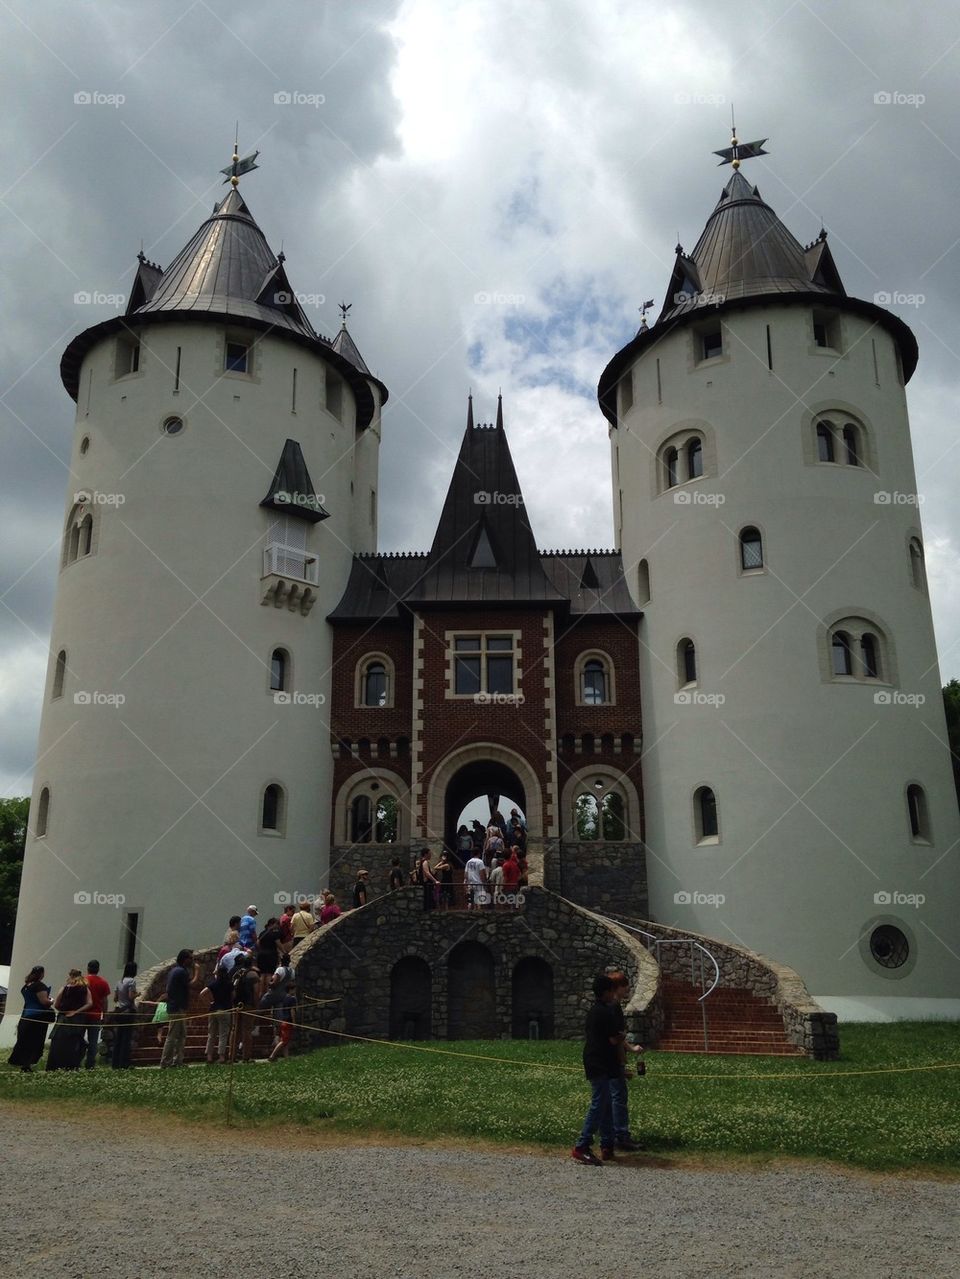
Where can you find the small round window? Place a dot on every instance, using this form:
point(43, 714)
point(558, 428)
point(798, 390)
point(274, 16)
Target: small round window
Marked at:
point(172, 425)
point(84, 445)
point(889, 946)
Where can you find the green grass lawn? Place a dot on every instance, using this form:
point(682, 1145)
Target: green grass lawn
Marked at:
point(687, 1104)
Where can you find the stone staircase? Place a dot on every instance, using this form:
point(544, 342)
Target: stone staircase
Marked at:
point(738, 1022)
point(147, 1051)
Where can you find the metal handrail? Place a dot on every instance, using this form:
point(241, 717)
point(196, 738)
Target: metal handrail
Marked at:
point(681, 941)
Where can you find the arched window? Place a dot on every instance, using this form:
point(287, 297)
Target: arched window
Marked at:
point(43, 813)
point(361, 820)
point(78, 534)
point(612, 821)
point(670, 468)
point(587, 817)
point(687, 662)
point(86, 535)
point(386, 826)
point(643, 582)
point(917, 813)
point(705, 815)
point(918, 570)
point(694, 458)
point(594, 682)
point(59, 671)
point(825, 439)
point(751, 549)
point(851, 445)
point(375, 684)
point(279, 670)
point(273, 809)
point(841, 656)
point(869, 656)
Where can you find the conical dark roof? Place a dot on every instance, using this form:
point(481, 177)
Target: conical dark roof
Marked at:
point(228, 268)
point(484, 519)
point(344, 345)
point(744, 251)
point(291, 489)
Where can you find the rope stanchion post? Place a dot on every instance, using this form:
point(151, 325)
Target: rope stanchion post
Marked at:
point(234, 1019)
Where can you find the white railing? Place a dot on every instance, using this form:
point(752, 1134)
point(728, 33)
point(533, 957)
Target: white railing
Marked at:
point(653, 942)
point(290, 561)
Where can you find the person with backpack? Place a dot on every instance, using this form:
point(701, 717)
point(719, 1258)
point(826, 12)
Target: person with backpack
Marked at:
point(245, 1002)
point(218, 995)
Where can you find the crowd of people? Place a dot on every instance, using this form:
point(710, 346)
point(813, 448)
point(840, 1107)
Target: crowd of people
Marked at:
point(494, 863)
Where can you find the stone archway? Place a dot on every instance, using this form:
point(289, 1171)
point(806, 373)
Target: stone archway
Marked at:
point(471, 993)
point(490, 755)
point(411, 991)
point(479, 777)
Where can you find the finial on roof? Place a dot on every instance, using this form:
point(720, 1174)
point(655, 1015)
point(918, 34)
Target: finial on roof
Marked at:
point(823, 231)
point(737, 150)
point(499, 411)
point(344, 308)
point(470, 410)
point(643, 312)
point(237, 167)
point(679, 248)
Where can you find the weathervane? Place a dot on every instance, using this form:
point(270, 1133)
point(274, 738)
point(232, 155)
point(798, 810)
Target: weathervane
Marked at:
point(344, 308)
point(643, 313)
point(237, 167)
point(738, 150)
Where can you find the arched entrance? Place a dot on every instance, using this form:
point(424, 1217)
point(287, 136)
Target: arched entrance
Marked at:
point(532, 999)
point(481, 777)
point(411, 984)
point(471, 993)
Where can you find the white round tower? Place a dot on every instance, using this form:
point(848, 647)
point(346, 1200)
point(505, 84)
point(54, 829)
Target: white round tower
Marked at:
point(799, 797)
point(224, 472)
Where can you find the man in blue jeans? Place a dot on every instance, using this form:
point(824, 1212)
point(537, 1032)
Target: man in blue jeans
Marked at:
point(618, 1086)
point(601, 1064)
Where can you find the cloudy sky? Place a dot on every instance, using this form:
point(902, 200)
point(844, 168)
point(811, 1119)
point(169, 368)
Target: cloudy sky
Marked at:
point(495, 186)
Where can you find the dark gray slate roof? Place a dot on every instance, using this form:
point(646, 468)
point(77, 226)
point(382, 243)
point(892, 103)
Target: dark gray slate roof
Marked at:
point(291, 490)
point(227, 271)
point(344, 345)
point(484, 552)
point(744, 250)
point(747, 257)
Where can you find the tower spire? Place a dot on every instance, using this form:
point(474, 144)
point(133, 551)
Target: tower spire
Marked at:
point(470, 410)
point(499, 411)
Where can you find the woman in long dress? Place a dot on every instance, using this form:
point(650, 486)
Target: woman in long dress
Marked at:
point(67, 1041)
point(36, 1016)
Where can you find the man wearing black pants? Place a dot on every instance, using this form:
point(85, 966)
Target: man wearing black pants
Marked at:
point(601, 1064)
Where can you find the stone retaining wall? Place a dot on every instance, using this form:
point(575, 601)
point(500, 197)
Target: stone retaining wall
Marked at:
point(806, 1024)
point(605, 877)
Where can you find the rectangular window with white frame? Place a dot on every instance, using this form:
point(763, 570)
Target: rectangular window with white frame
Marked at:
point(483, 662)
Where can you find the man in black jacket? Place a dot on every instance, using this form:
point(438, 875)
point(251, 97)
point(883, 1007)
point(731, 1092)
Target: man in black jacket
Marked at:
point(601, 1063)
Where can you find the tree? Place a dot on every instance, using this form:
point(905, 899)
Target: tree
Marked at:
point(13, 836)
point(951, 707)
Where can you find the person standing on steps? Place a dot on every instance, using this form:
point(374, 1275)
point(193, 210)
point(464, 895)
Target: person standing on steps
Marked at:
point(218, 994)
point(601, 1063)
point(183, 977)
point(360, 891)
point(397, 877)
point(618, 1087)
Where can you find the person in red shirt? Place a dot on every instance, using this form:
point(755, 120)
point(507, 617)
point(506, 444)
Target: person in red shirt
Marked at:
point(286, 929)
point(99, 994)
point(330, 910)
point(511, 877)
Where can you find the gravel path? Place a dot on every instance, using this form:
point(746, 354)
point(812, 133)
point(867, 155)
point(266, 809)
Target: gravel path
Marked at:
point(125, 1197)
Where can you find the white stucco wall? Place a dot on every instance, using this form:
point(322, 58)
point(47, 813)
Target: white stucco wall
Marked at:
point(810, 774)
point(157, 800)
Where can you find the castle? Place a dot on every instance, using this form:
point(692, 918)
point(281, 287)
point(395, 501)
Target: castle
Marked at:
point(731, 724)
